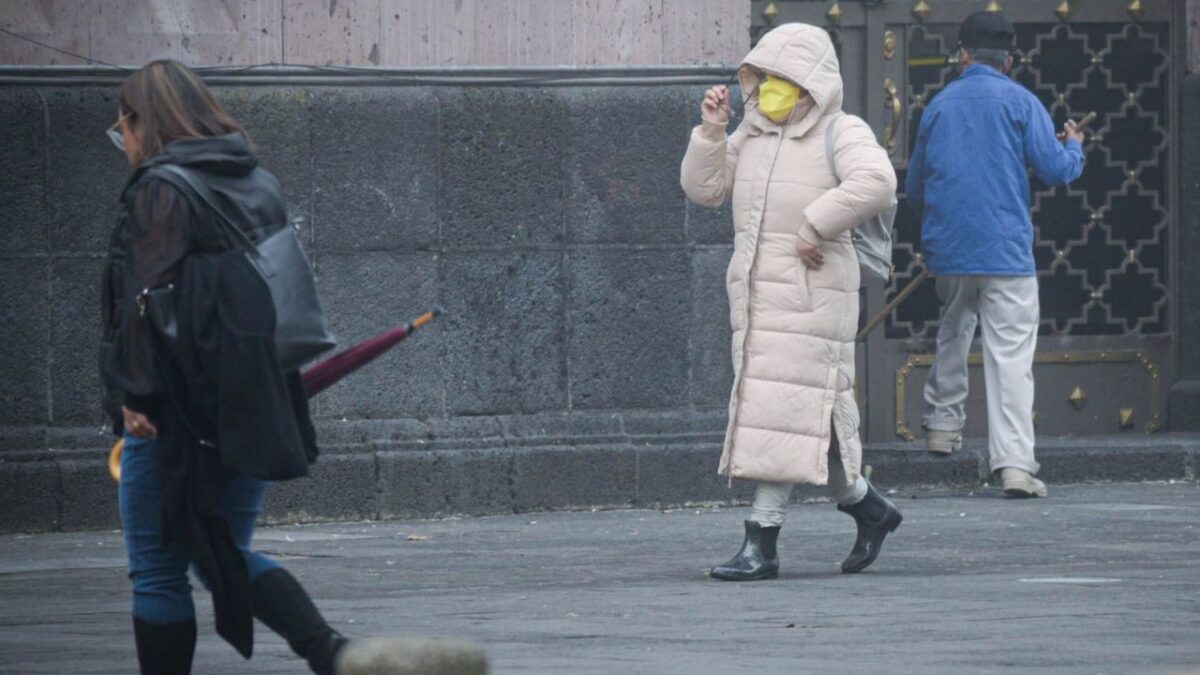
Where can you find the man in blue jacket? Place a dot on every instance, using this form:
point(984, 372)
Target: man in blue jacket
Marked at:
point(968, 179)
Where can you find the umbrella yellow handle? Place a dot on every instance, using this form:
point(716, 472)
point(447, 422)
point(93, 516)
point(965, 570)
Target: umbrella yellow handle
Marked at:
point(425, 318)
point(114, 460)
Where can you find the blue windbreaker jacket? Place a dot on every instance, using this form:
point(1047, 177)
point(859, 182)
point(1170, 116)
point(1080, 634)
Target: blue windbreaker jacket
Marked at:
point(968, 180)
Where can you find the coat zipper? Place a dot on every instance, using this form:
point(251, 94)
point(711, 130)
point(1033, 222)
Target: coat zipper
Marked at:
point(750, 295)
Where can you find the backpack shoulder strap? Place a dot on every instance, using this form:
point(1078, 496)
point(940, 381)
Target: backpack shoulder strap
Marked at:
point(829, 145)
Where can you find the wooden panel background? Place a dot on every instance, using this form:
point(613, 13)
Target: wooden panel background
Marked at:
point(379, 32)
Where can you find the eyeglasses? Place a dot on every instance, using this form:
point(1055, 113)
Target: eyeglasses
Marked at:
point(114, 132)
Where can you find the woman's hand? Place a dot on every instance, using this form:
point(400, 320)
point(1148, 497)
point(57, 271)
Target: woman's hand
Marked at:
point(138, 424)
point(715, 107)
point(810, 255)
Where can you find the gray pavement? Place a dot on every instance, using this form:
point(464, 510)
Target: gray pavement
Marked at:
point(1095, 579)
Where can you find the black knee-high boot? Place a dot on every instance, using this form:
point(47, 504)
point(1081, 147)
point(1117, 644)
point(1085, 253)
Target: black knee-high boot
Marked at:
point(165, 648)
point(282, 604)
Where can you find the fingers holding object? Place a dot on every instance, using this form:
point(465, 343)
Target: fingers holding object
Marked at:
point(717, 97)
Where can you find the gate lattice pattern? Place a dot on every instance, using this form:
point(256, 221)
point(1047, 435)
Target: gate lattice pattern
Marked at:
point(1100, 243)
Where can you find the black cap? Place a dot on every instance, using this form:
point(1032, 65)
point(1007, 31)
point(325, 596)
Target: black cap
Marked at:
point(986, 30)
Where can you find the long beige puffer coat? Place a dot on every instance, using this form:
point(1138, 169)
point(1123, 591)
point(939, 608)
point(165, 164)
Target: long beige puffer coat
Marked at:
point(793, 328)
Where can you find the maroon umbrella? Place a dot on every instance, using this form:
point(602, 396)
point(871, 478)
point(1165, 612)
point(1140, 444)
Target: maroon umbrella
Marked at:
point(326, 373)
point(323, 375)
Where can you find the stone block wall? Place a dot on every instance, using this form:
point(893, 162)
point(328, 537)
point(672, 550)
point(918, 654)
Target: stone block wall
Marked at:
point(583, 295)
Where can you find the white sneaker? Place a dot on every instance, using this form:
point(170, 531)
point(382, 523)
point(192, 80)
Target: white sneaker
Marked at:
point(395, 656)
point(1021, 484)
point(943, 442)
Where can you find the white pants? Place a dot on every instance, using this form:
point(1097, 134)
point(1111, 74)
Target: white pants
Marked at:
point(1008, 307)
point(771, 499)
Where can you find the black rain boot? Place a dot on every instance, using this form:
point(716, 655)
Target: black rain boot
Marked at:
point(165, 648)
point(282, 604)
point(757, 560)
point(876, 516)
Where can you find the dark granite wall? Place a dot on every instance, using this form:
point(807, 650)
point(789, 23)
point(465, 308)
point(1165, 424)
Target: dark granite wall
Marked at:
point(579, 285)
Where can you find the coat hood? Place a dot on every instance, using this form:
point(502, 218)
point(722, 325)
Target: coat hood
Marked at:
point(224, 160)
point(801, 53)
point(250, 196)
point(229, 155)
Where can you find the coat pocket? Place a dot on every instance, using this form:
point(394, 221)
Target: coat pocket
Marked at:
point(778, 261)
point(803, 287)
point(785, 277)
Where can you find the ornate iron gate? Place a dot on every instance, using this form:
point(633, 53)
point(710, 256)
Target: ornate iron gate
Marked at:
point(1102, 245)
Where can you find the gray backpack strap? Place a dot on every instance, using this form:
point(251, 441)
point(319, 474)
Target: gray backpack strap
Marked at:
point(829, 146)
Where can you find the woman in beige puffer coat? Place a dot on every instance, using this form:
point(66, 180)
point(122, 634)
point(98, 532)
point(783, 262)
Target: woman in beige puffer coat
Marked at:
point(793, 285)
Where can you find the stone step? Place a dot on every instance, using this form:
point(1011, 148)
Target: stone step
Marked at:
point(71, 490)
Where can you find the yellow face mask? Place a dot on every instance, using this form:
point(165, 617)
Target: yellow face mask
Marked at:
point(777, 97)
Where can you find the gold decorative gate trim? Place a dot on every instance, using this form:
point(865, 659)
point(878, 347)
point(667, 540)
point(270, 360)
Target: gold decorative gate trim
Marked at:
point(976, 359)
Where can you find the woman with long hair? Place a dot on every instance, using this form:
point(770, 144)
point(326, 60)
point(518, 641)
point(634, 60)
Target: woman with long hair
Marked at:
point(196, 388)
point(793, 285)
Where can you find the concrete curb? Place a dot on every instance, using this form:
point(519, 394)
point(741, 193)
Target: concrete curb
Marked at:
point(52, 491)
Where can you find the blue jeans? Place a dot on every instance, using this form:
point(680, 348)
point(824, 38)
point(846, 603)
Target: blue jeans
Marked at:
point(161, 591)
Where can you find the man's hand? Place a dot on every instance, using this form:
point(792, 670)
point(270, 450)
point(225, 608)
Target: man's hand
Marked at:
point(138, 424)
point(1071, 132)
point(715, 107)
point(810, 255)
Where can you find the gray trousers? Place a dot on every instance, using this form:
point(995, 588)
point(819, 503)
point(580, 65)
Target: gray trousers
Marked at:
point(1006, 309)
